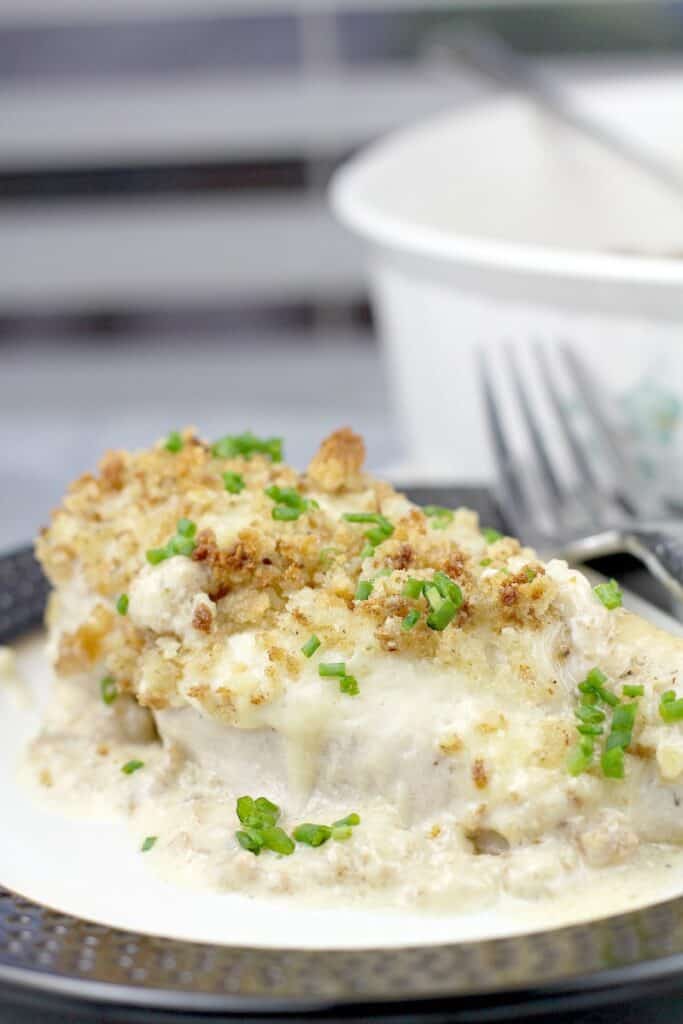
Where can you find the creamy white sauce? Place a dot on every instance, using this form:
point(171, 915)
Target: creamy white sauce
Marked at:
point(396, 857)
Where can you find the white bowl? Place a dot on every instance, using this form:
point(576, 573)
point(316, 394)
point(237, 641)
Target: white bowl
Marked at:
point(497, 224)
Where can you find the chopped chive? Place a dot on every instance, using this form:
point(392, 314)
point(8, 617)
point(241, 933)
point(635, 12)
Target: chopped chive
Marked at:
point(234, 482)
point(285, 514)
point(332, 669)
point(257, 814)
point(376, 535)
point(361, 517)
point(277, 840)
point(485, 561)
point(579, 760)
point(363, 590)
point(247, 444)
point(148, 843)
point(251, 841)
point(668, 695)
point(490, 535)
point(441, 616)
point(612, 762)
point(312, 835)
point(156, 555)
point(186, 528)
point(413, 587)
point(434, 597)
point(285, 496)
point(350, 819)
point(132, 766)
point(589, 714)
point(609, 594)
point(174, 442)
point(411, 620)
point(590, 730)
point(670, 710)
point(595, 683)
point(341, 832)
point(530, 574)
point(122, 604)
point(108, 689)
point(448, 588)
point(311, 646)
point(182, 546)
point(631, 690)
point(367, 551)
point(441, 517)
point(349, 685)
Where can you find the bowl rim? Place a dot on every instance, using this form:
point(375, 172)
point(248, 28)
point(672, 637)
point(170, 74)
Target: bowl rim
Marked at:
point(349, 201)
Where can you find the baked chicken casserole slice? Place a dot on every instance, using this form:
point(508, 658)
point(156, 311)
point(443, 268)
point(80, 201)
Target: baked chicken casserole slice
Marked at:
point(463, 719)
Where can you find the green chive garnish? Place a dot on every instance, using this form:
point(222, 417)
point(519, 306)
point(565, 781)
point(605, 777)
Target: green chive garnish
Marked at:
point(234, 482)
point(132, 766)
point(630, 690)
point(440, 517)
point(363, 590)
point(122, 604)
point(312, 835)
point(174, 442)
point(246, 445)
point(285, 514)
point(148, 843)
point(182, 544)
point(441, 616)
point(595, 683)
point(277, 840)
point(670, 709)
point(332, 669)
point(490, 535)
point(609, 593)
point(108, 689)
point(251, 840)
point(612, 762)
point(156, 555)
point(361, 517)
point(350, 819)
point(581, 756)
point(485, 561)
point(349, 686)
point(311, 646)
point(413, 587)
point(186, 528)
point(411, 619)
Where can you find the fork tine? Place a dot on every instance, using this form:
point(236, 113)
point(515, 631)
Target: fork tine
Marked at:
point(582, 464)
point(629, 492)
point(554, 492)
point(517, 505)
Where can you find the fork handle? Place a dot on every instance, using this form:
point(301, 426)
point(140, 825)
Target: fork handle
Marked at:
point(662, 553)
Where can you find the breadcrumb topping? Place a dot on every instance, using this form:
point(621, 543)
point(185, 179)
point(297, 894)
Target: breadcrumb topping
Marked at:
point(285, 579)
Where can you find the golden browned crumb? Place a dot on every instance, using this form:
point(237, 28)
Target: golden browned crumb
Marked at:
point(286, 578)
point(480, 775)
point(339, 463)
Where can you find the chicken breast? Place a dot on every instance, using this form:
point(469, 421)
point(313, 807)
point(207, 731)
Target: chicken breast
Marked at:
point(232, 627)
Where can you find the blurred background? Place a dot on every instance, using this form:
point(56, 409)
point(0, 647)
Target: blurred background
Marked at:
point(167, 254)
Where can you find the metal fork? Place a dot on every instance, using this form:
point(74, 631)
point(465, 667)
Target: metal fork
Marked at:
point(570, 492)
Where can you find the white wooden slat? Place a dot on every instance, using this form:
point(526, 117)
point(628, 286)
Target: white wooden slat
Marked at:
point(134, 121)
point(140, 252)
point(56, 11)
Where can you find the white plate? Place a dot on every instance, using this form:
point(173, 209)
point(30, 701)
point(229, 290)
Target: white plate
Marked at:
point(94, 870)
